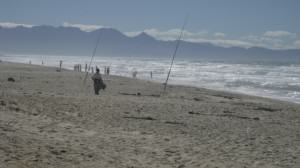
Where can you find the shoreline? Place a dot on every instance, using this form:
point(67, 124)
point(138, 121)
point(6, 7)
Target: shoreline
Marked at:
point(179, 85)
point(50, 119)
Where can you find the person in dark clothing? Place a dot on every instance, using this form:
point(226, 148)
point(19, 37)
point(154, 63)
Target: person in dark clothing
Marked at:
point(98, 82)
point(107, 70)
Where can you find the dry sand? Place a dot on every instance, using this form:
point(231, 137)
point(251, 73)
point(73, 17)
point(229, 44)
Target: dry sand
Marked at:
point(49, 119)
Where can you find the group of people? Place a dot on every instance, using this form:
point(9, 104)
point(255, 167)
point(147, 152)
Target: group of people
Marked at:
point(77, 67)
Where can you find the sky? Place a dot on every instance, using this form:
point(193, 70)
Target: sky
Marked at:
point(245, 23)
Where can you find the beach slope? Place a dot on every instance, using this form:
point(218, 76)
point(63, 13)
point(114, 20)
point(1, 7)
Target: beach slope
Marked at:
point(51, 119)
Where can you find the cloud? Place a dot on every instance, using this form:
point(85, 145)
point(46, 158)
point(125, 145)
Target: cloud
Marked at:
point(87, 28)
point(219, 35)
point(296, 44)
point(198, 37)
point(261, 39)
point(225, 42)
point(279, 33)
point(83, 27)
point(269, 39)
point(132, 34)
point(13, 25)
point(271, 42)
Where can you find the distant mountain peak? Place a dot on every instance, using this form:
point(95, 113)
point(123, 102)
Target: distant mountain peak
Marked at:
point(144, 36)
point(106, 30)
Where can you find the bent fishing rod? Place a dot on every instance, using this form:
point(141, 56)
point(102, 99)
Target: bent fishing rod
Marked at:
point(175, 52)
point(93, 55)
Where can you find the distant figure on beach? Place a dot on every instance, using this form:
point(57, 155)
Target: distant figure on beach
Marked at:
point(98, 82)
point(107, 70)
point(151, 74)
point(77, 67)
point(134, 73)
point(60, 65)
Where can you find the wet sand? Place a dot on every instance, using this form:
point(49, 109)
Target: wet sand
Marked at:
point(50, 119)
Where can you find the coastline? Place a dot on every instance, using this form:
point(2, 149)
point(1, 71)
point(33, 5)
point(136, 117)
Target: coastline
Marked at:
point(235, 78)
point(52, 119)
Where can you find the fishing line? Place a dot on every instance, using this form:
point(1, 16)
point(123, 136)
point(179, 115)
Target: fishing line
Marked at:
point(175, 52)
point(93, 55)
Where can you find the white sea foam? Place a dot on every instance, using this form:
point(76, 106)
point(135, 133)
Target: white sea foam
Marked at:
point(275, 80)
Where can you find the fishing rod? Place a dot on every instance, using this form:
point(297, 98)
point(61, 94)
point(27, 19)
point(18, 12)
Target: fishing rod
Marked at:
point(93, 55)
point(175, 52)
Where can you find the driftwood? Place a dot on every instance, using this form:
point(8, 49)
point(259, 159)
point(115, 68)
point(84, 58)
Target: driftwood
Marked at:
point(225, 96)
point(196, 99)
point(11, 79)
point(140, 118)
point(152, 119)
point(175, 123)
point(226, 115)
point(265, 109)
point(138, 94)
point(128, 94)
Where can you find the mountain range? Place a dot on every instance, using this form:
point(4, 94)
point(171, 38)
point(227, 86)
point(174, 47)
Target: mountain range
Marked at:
point(49, 40)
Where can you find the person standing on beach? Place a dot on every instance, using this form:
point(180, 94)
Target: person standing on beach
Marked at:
point(60, 65)
point(134, 73)
point(107, 70)
point(98, 82)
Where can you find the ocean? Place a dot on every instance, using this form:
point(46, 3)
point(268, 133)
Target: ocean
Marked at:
point(277, 80)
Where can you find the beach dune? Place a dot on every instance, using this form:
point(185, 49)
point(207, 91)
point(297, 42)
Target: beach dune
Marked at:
point(51, 119)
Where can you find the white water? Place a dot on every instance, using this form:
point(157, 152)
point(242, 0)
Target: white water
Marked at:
point(274, 80)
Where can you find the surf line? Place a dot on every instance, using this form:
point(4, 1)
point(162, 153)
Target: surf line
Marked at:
point(175, 52)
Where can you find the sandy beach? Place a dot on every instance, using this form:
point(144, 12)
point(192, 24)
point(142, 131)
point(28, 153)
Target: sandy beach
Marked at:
point(51, 119)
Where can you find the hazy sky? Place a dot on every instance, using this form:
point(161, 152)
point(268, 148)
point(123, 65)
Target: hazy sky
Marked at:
point(267, 23)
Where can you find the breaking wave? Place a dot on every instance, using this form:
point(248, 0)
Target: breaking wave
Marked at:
point(267, 79)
